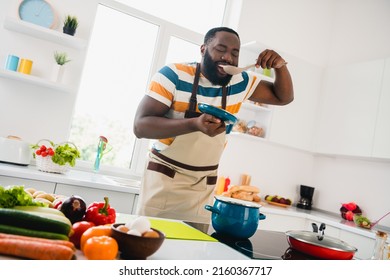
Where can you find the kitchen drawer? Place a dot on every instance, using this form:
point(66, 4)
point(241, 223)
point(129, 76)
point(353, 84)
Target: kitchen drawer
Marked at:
point(365, 245)
point(121, 201)
point(329, 230)
point(281, 223)
point(27, 183)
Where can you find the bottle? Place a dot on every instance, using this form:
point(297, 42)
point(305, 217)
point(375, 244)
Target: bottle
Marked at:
point(379, 248)
point(100, 151)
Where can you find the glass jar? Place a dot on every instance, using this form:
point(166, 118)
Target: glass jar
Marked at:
point(379, 248)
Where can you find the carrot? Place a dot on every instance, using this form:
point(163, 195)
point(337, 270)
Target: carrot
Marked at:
point(34, 250)
point(43, 240)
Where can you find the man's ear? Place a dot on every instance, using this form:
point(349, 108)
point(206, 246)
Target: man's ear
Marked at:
point(203, 49)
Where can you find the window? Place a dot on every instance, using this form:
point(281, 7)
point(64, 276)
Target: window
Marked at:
point(125, 49)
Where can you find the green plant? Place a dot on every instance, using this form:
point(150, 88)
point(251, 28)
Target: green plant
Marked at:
point(61, 58)
point(71, 22)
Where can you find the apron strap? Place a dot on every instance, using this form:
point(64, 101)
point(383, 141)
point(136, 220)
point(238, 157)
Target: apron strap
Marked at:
point(191, 112)
point(193, 99)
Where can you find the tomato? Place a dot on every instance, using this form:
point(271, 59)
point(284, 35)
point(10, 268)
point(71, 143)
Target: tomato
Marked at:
point(94, 231)
point(78, 229)
point(101, 248)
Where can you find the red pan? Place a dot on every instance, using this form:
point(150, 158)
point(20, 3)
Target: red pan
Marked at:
point(326, 247)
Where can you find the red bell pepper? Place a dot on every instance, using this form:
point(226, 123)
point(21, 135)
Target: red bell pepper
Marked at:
point(100, 213)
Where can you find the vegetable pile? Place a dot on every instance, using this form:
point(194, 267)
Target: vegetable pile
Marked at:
point(61, 154)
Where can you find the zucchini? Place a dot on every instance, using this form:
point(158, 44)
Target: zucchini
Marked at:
point(33, 233)
point(18, 218)
point(42, 209)
point(46, 215)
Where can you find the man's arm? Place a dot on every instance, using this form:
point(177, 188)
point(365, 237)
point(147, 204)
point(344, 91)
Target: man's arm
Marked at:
point(280, 92)
point(150, 122)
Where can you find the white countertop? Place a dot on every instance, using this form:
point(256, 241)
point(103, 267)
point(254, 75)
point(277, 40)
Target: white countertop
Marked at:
point(72, 177)
point(330, 219)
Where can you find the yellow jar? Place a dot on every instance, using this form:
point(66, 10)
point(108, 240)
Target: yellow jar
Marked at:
point(25, 66)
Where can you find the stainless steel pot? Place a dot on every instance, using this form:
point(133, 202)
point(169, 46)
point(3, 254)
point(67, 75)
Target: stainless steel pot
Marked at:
point(320, 246)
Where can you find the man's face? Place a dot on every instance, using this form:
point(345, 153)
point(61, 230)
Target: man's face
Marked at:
point(223, 49)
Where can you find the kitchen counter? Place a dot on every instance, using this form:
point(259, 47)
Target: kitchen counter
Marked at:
point(103, 182)
point(320, 216)
point(72, 177)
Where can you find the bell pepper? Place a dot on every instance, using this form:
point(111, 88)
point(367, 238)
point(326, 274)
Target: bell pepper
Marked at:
point(100, 213)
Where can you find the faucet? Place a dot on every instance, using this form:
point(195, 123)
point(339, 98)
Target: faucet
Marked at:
point(320, 231)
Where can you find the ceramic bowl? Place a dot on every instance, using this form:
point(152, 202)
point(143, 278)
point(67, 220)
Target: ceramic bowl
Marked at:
point(136, 247)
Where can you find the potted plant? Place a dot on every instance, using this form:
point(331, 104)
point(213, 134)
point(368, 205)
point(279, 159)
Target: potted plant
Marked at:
point(70, 25)
point(61, 58)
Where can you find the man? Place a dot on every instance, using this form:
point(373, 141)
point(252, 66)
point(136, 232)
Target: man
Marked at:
point(182, 170)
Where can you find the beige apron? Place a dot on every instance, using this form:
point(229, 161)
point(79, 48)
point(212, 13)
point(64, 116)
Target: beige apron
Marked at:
point(179, 181)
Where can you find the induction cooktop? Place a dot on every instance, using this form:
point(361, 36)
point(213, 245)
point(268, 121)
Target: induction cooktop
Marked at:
point(263, 245)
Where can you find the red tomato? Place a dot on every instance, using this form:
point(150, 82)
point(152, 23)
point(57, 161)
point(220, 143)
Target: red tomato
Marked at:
point(78, 229)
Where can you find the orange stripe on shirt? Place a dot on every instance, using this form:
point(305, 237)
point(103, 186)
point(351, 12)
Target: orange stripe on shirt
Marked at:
point(179, 106)
point(158, 88)
point(186, 68)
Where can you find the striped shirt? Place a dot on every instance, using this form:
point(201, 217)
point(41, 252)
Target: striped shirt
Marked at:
point(172, 85)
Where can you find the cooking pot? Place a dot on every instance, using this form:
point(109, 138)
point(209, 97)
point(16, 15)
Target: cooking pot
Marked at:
point(235, 217)
point(323, 247)
point(14, 150)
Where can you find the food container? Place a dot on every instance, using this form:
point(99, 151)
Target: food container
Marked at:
point(324, 247)
point(14, 150)
point(234, 217)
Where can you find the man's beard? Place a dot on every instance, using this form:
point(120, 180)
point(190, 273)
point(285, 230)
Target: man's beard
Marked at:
point(211, 71)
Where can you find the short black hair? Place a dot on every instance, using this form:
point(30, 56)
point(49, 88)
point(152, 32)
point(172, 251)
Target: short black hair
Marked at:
point(211, 33)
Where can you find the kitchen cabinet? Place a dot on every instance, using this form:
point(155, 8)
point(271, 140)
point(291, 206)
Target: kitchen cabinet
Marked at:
point(348, 110)
point(122, 202)
point(48, 187)
point(381, 146)
point(282, 223)
point(291, 125)
point(329, 230)
point(365, 245)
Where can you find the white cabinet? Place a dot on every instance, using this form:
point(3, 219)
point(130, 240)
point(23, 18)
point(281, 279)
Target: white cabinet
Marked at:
point(365, 245)
point(48, 187)
point(349, 109)
point(381, 147)
point(293, 125)
point(280, 222)
point(121, 201)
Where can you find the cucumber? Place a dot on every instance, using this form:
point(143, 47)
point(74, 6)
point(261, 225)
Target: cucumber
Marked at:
point(33, 233)
point(42, 209)
point(44, 214)
point(18, 218)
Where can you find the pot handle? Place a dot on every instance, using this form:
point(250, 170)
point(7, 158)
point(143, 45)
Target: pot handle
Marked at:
point(212, 209)
point(261, 216)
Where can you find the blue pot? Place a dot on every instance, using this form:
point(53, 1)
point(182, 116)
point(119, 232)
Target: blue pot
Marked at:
point(235, 218)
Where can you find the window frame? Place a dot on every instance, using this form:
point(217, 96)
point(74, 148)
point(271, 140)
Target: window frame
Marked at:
point(166, 30)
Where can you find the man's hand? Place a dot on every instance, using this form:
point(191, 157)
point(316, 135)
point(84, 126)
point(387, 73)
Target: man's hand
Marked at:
point(270, 59)
point(210, 125)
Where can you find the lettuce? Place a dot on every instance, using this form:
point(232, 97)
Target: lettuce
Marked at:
point(16, 196)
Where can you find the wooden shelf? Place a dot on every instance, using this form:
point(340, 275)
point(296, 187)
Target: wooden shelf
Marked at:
point(33, 80)
point(43, 33)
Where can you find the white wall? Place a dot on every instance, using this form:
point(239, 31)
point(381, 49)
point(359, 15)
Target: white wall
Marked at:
point(320, 32)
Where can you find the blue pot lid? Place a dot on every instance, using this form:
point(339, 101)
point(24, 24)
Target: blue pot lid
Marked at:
point(237, 201)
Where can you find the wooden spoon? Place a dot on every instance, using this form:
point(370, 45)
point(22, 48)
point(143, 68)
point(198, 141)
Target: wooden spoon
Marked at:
point(234, 70)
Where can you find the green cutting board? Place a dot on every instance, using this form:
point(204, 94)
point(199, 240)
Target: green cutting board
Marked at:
point(178, 230)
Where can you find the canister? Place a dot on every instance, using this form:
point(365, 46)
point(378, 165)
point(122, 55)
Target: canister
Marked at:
point(12, 62)
point(25, 66)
